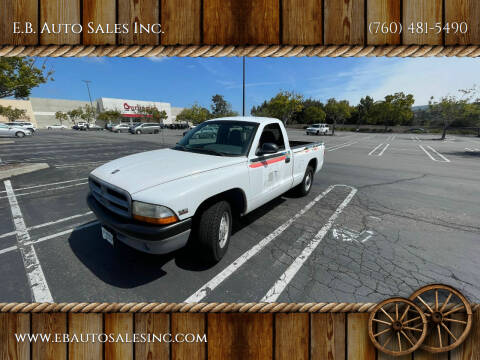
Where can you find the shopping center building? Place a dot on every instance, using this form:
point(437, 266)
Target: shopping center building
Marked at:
point(41, 111)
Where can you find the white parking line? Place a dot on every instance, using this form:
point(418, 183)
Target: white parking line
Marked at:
point(11, 248)
point(371, 152)
point(282, 283)
point(33, 269)
point(42, 185)
point(436, 152)
point(51, 189)
point(48, 223)
point(341, 146)
point(385, 148)
point(444, 159)
point(234, 266)
point(472, 149)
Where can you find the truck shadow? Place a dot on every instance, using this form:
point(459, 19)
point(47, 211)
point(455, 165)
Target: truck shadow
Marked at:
point(124, 267)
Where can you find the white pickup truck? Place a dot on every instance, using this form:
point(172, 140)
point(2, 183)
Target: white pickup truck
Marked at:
point(159, 200)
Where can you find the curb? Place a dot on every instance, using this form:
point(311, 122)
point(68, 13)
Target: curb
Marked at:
point(23, 169)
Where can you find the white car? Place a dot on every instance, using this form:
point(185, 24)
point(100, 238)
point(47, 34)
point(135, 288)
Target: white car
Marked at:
point(56, 127)
point(24, 125)
point(13, 131)
point(318, 129)
point(156, 201)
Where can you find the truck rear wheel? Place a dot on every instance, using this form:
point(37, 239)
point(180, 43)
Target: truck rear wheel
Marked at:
point(305, 186)
point(214, 231)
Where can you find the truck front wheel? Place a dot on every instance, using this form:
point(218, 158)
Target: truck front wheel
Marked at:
point(214, 231)
point(305, 186)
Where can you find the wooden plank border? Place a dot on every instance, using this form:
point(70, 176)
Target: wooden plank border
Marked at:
point(234, 331)
point(256, 23)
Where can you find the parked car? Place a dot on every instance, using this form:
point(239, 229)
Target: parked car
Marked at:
point(121, 128)
point(318, 129)
point(24, 125)
point(416, 131)
point(56, 127)
point(147, 128)
point(13, 131)
point(94, 127)
point(201, 183)
point(81, 125)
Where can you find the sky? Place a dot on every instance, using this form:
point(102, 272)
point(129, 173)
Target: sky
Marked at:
point(185, 81)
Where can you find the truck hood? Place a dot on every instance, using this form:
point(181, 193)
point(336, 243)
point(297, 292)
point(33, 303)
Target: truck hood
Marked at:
point(141, 171)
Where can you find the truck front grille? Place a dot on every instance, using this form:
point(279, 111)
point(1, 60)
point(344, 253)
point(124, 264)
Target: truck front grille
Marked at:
point(113, 198)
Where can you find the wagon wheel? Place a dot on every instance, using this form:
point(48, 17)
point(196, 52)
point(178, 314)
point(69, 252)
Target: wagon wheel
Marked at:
point(440, 302)
point(397, 326)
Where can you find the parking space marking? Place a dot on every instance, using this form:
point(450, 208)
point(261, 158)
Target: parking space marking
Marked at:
point(443, 158)
point(472, 149)
point(52, 189)
point(282, 283)
point(375, 149)
point(65, 166)
point(65, 232)
point(11, 248)
point(372, 153)
point(341, 146)
point(49, 184)
point(415, 138)
point(234, 266)
point(33, 269)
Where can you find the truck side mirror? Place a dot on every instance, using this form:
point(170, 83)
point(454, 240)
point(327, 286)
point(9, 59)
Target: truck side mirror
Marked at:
point(268, 148)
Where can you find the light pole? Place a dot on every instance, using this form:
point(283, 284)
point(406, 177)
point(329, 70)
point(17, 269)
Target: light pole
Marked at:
point(87, 82)
point(243, 112)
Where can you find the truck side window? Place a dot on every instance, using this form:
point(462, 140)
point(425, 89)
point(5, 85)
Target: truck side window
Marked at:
point(272, 133)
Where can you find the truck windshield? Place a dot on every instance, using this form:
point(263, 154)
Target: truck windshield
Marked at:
point(222, 138)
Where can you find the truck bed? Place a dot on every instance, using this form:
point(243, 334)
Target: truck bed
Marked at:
point(300, 145)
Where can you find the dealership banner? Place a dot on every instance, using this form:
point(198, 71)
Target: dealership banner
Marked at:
point(239, 28)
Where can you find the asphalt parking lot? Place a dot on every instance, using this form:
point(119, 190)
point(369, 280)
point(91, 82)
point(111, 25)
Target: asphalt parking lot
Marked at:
point(387, 214)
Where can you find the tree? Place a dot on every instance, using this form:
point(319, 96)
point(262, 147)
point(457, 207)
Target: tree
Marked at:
point(109, 116)
point(156, 115)
point(365, 111)
point(18, 76)
point(397, 109)
point(456, 109)
point(337, 111)
point(61, 116)
point(13, 114)
point(221, 108)
point(88, 113)
point(75, 114)
point(312, 112)
point(284, 106)
point(195, 114)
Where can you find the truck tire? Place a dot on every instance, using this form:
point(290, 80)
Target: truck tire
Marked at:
point(305, 186)
point(214, 231)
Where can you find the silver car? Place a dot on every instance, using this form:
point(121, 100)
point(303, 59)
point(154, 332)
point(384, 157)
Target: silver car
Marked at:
point(13, 131)
point(148, 128)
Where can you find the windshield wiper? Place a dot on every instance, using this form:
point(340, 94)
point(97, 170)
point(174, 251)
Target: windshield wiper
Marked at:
point(208, 151)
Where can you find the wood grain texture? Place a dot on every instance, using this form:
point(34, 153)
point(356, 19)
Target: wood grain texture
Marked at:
point(82, 324)
point(18, 11)
point(134, 13)
point(459, 11)
point(383, 11)
point(119, 324)
point(292, 336)
point(55, 323)
point(423, 11)
point(100, 13)
point(181, 22)
point(11, 324)
point(470, 349)
point(344, 22)
point(240, 336)
point(302, 22)
point(193, 324)
point(54, 12)
point(328, 336)
point(431, 339)
point(359, 346)
point(239, 22)
point(152, 324)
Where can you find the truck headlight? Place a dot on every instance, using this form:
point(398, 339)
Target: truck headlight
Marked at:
point(153, 214)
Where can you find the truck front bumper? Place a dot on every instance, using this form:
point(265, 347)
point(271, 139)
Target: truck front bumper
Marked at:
point(143, 237)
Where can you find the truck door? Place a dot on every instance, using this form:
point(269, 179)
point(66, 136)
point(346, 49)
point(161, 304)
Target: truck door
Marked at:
point(270, 175)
